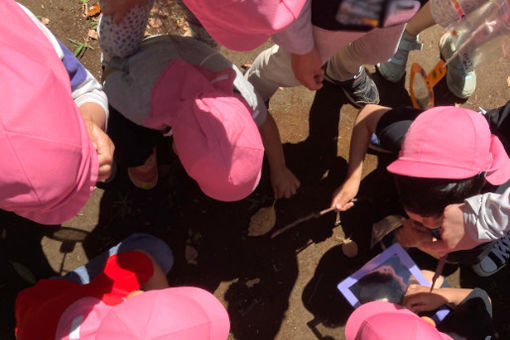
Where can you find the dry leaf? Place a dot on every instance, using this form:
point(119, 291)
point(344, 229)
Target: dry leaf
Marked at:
point(93, 10)
point(191, 255)
point(92, 34)
point(155, 22)
point(350, 248)
point(246, 66)
point(160, 9)
point(251, 283)
point(508, 81)
point(45, 20)
point(262, 221)
point(182, 24)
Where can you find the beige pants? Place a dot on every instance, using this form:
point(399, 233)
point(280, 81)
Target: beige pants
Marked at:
point(345, 50)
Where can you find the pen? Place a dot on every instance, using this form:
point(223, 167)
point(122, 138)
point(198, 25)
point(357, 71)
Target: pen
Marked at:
point(438, 272)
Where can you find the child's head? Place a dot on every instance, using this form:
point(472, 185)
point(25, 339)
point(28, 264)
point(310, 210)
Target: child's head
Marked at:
point(429, 196)
point(384, 320)
point(172, 313)
point(48, 164)
point(215, 136)
point(244, 25)
point(447, 155)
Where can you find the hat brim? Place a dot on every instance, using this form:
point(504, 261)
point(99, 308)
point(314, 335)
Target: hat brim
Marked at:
point(415, 168)
point(180, 312)
point(367, 310)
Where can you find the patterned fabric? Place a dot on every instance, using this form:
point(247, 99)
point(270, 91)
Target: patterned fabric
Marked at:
point(123, 39)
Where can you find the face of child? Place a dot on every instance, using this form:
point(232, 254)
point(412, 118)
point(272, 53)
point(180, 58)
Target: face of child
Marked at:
point(428, 221)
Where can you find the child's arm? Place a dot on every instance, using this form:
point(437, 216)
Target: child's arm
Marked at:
point(365, 125)
point(90, 98)
point(419, 299)
point(297, 38)
point(283, 181)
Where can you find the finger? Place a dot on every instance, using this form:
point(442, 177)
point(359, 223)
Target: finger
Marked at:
point(347, 206)
point(420, 308)
point(104, 173)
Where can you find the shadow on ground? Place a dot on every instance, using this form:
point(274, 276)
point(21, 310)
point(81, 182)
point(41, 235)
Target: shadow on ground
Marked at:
point(180, 214)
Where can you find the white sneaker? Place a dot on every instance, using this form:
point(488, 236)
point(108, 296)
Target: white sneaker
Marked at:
point(461, 83)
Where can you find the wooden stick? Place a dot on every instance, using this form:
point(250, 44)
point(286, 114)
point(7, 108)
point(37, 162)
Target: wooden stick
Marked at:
point(301, 220)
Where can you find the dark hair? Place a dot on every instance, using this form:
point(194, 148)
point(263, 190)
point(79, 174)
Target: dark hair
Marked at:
point(429, 196)
point(377, 286)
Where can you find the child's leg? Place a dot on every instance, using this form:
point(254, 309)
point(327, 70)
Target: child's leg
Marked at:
point(373, 47)
point(136, 149)
point(156, 248)
point(123, 39)
point(270, 70)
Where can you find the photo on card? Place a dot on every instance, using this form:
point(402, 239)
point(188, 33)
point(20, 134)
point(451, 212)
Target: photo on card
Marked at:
point(385, 278)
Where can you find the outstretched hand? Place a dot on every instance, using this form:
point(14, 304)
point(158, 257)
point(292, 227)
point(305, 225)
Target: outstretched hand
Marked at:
point(284, 183)
point(343, 198)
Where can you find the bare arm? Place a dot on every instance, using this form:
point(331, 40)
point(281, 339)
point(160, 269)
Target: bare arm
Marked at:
point(284, 182)
point(365, 125)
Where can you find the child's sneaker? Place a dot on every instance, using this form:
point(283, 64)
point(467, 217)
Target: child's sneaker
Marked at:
point(394, 69)
point(145, 176)
point(496, 259)
point(461, 83)
point(360, 91)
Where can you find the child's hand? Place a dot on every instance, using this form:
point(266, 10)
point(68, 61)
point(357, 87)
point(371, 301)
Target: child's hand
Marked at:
point(343, 196)
point(418, 299)
point(454, 233)
point(308, 69)
point(285, 183)
point(119, 8)
point(104, 148)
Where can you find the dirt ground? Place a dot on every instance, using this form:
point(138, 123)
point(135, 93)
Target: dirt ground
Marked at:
point(281, 288)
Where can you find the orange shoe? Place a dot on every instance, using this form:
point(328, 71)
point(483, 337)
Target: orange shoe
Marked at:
point(145, 176)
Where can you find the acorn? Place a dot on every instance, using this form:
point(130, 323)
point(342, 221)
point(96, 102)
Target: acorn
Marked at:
point(349, 248)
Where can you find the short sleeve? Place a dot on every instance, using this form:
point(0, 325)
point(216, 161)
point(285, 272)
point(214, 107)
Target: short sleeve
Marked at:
point(393, 125)
point(472, 319)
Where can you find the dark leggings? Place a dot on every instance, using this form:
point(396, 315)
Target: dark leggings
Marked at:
point(133, 143)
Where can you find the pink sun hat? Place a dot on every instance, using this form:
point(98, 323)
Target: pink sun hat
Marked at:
point(215, 136)
point(49, 166)
point(171, 313)
point(452, 143)
point(243, 25)
point(381, 320)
